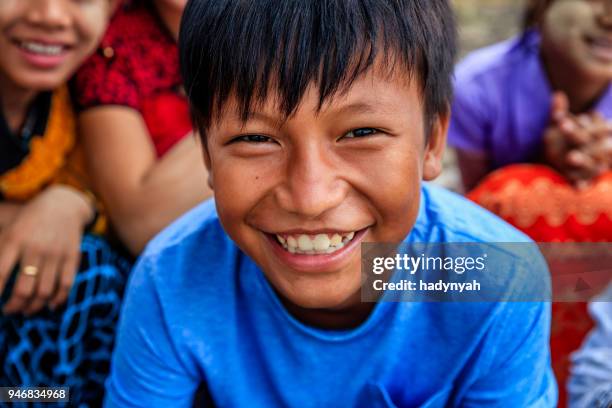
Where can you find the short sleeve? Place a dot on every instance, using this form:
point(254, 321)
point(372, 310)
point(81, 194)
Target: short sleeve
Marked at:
point(470, 125)
point(146, 369)
point(106, 80)
point(519, 373)
point(516, 365)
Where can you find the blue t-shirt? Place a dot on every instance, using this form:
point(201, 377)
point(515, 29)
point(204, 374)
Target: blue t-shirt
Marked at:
point(199, 311)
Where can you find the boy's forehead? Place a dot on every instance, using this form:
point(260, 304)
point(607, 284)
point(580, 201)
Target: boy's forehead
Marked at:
point(375, 91)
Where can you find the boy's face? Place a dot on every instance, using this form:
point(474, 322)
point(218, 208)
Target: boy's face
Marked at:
point(300, 196)
point(42, 42)
point(581, 30)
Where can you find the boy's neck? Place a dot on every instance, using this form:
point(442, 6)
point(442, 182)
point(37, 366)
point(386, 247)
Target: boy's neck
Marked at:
point(582, 90)
point(341, 318)
point(14, 102)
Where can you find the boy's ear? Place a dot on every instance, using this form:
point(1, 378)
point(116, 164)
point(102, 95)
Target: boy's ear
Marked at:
point(206, 156)
point(434, 150)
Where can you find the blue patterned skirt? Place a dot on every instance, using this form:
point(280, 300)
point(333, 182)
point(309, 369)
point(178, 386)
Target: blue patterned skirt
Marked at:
point(71, 346)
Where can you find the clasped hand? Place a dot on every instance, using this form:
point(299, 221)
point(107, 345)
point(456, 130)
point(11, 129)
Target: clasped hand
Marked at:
point(578, 146)
point(43, 239)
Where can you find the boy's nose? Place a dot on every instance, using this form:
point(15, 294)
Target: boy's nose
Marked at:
point(49, 13)
point(312, 186)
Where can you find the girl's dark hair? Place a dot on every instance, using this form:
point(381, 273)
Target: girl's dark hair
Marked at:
point(247, 48)
point(534, 12)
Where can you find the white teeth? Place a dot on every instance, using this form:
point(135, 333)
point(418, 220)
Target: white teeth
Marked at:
point(291, 242)
point(313, 245)
point(305, 243)
point(321, 242)
point(336, 240)
point(44, 49)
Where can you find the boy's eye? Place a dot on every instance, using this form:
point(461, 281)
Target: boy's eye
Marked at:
point(252, 139)
point(361, 132)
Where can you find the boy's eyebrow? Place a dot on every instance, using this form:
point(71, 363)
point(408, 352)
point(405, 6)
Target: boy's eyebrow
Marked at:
point(355, 108)
point(278, 122)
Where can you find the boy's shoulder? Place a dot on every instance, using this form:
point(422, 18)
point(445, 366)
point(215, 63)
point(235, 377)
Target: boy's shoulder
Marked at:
point(445, 216)
point(197, 223)
point(194, 251)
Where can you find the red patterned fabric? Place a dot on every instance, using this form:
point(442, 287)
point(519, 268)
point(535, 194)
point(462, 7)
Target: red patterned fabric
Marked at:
point(137, 66)
point(542, 203)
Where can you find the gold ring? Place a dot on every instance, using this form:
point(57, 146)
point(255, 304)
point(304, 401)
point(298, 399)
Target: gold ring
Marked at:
point(30, 270)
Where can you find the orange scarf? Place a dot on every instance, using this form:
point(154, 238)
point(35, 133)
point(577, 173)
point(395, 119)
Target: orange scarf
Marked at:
point(55, 158)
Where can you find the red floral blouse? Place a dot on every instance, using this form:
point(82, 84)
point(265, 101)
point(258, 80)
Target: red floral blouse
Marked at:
point(137, 66)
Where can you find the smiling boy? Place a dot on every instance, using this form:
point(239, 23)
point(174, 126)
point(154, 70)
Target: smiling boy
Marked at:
point(319, 120)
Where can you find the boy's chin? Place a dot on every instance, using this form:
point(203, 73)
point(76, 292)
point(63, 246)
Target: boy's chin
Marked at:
point(323, 298)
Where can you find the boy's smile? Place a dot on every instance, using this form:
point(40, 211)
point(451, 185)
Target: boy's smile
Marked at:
point(300, 195)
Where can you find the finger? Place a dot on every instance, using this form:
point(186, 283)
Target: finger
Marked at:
point(24, 286)
point(578, 158)
point(602, 130)
point(585, 121)
point(65, 280)
point(573, 132)
point(601, 150)
point(47, 283)
point(9, 254)
point(559, 106)
point(597, 118)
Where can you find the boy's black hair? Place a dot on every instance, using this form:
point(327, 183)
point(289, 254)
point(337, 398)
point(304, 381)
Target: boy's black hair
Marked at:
point(249, 47)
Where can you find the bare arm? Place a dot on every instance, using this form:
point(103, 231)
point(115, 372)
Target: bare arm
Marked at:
point(8, 212)
point(143, 194)
point(473, 166)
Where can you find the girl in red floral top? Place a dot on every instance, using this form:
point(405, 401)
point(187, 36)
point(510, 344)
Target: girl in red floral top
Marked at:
point(135, 122)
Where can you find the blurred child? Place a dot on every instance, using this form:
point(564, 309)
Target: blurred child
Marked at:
point(591, 381)
point(543, 98)
point(318, 122)
point(59, 303)
point(145, 161)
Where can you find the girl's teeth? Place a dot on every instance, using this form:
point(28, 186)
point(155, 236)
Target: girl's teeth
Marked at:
point(45, 49)
point(318, 244)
